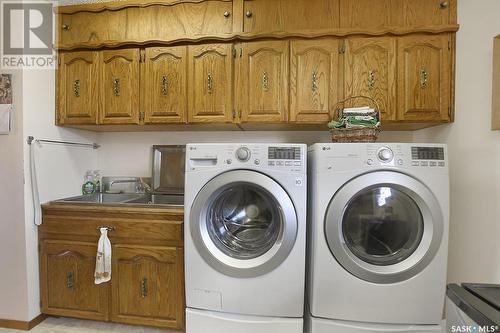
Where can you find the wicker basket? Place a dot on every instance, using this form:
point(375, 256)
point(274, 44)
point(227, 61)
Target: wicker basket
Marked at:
point(355, 134)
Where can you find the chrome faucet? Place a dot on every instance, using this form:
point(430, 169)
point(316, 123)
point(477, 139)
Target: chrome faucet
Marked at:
point(140, 185)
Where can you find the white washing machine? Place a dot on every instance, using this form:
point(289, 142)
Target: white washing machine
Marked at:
point(378, 237)
point(245, 230)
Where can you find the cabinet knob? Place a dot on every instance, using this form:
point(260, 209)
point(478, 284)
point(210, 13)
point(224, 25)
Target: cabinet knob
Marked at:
point(227, 14)
point(248, 14)
point(444, 4)
point(65, 27)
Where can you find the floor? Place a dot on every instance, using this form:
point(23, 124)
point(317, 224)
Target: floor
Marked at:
point(69, 325)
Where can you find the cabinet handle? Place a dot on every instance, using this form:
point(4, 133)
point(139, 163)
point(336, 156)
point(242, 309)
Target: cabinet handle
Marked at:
point(248, 14)
point(164, 85)
point(371, 80)
point(444, 5)
point(144, 288)
point(314, 83)
point(424, 76)
point(76, 88)
point(110, 228)
point(227, 14)
point(265, 82)
point(210, 84)
point(116, 87)
point(65, 27)
point(70, 280)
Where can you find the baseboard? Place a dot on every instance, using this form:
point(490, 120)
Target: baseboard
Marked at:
point(22, 325)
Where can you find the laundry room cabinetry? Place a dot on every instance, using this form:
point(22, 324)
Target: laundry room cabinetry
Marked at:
point(67, 280)
point(425, 77)
point(253, 64)
point(370, 70)
point(164, 87)
point(147, 276)
point(315, 78)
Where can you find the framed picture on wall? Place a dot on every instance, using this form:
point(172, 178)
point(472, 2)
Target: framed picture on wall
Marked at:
point(5, 103)
point(5, 89)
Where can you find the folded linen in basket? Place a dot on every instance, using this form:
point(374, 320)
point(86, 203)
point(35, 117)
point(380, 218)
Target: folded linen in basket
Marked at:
point(103, 259)
point(361, 111)
point(355, 122)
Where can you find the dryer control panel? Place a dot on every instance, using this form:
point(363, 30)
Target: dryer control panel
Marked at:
point(282, 157)
point(338, 157)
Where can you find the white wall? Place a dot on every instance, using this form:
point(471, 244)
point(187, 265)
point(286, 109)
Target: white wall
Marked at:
point(13, 288)
point(60, 169)
point(474, 150)
point(130, 154)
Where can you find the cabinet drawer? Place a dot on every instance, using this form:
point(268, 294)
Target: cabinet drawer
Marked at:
point(164, 229)
point(141, 24)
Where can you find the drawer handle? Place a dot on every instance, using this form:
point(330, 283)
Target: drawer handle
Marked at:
point(314, 84)
point(248, 14)
point(424, 77)
point(65, 27)
point(144, 288)
point(70, 280)
point(109, 228)
point(227, 14)
point(371, 80)
point(444, 5)
point(164, 85)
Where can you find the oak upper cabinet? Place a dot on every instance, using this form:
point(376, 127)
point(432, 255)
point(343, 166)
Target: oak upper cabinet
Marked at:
point(263, 81)
point(210, 83)
point(424, 77)
point(314, 80)
point(67, 280)
point(147, 287)
point(114, 23)
point(267, 16)
point(77, 88)
point(370, 70)
point(424, 13)
point(119, 87)
point(165, 85)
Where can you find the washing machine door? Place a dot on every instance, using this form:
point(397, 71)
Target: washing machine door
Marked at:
point(243, 223)
point(384, 227)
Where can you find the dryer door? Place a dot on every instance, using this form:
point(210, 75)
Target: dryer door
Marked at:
point(243, 223)
point(384, 227)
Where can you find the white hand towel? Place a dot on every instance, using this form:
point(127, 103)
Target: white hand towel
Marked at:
point(5, 117)
point(103, 259)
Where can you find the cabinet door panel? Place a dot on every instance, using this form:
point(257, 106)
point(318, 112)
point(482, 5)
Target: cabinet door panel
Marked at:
point(77, 88)
point(424, 71)
point(370, 70)
point(366, 14)
point(210, 83)
point(67, 281)
point(148, 285)
point(314, 80)
point(268, 16)
point(120, 87)
point(426, 13)
point(264, 81)
point(165, 90)
point(179, 20)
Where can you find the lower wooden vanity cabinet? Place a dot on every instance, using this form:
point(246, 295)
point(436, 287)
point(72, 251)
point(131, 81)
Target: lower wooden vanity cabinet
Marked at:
point(147, 279)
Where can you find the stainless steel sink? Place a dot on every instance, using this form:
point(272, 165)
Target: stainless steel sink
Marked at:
point(103, 198)
point(159, 199)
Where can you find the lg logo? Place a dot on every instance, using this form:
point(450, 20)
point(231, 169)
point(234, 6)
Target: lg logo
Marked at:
point(27, 28)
